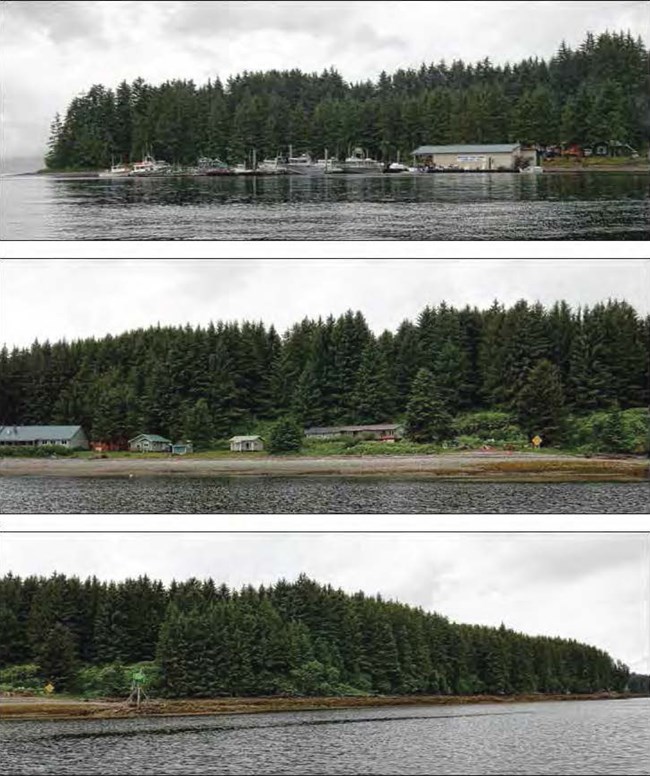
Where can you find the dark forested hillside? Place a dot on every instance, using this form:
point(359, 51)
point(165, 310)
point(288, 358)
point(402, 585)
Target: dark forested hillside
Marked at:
point(298, 637)
point(206, 383)
point(599, 91)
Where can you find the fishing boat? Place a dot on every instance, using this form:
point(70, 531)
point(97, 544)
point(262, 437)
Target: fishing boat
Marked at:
point(208, 166)
point(302, 165)
point(116, 171)
point(329, 165)
point(149, 166)
point(242, 169)
point(274, 166)
point(359, 162)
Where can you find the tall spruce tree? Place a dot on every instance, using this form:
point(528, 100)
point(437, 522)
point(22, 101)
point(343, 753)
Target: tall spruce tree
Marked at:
point(427, 417)
point(57, 658)
point(540, 403)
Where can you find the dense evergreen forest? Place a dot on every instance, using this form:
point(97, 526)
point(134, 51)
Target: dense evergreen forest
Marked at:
point(534, 363)
point(599, 91)
point(206, 640)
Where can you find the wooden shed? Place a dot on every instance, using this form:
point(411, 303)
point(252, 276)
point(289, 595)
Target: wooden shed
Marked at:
point(246, 444)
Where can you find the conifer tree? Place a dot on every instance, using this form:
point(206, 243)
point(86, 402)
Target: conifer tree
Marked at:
point(427, 418)
point(540, 403)
point(197, 425)
point(57, 658)
point(286, 436)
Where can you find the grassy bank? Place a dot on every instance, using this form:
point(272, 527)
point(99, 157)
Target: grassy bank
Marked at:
point(597, 164)
point(78, 708)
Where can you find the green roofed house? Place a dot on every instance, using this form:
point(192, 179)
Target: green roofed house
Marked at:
point(39, 436)
point(150, 443)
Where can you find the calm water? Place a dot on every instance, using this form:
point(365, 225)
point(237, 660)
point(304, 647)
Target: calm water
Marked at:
point(264, 495)
point(576, 737)
point(481, 206)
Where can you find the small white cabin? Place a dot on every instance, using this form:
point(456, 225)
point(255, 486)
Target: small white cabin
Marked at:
point(246, 444)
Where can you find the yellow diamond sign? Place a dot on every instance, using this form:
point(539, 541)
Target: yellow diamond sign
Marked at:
point(536, 440)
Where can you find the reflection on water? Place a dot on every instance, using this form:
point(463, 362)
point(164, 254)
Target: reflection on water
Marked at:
point(316, 495)
point(349, 207)
point(577, 737)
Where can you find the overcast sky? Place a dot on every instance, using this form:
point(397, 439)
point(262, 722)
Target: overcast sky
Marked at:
point(52, 51)
point(70, 299)
point(591, 587)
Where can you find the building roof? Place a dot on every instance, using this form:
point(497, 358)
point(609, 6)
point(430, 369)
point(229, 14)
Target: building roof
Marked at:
point(244, 438)
point(501, 148)
point(338, 429)
point(151, 438)
point(36, 433)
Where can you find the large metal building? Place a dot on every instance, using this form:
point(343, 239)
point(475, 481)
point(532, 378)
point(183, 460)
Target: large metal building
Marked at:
point(488, 158)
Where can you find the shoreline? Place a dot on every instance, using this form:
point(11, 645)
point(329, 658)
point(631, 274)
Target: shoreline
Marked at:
point(486, 466)
point(632, 167)
point(30, 708)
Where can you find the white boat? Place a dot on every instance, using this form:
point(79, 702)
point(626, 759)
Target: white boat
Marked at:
point(302, 165)
point(398, 167)
point(359, 162)
point(272, 166)
point(328, 165)
point(116, 171)
point(149, 166)
point(534, 169)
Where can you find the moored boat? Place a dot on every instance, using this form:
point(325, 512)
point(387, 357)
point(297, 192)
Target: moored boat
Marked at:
point(302, 165)
point(397, 167)
point(360, 162)
point(274, 166)
point(149, 166)
point(116, 171)
point(208, 166)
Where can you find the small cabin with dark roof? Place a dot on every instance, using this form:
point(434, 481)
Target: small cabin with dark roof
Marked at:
point(384, 432)
point(182, 448)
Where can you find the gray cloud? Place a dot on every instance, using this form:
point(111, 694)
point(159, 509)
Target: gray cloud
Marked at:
point(579, 560)
point(346, 25)
point(60, 20)
point(283, 292)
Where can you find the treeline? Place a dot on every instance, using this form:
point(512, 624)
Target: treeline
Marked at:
point(599, 91)
point(639, 684)
point(300, 637)
point(206, 383)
